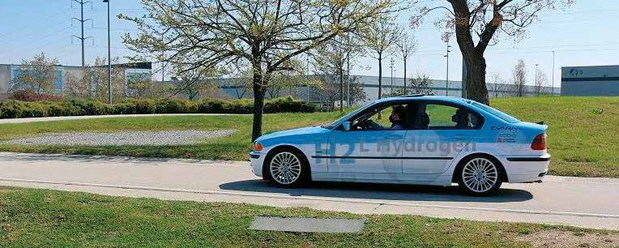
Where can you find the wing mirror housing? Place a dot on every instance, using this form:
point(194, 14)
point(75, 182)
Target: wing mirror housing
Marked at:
point(346, 125)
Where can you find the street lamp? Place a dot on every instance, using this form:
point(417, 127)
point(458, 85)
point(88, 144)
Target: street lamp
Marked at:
point(109, 55)
point(447, 73)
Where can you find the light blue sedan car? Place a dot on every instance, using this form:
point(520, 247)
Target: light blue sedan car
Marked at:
point(429, 140)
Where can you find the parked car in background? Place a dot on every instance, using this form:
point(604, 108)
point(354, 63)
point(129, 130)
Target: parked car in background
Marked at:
point(440, 141)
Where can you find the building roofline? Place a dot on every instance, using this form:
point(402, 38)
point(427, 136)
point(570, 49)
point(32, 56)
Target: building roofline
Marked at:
point(571, 66)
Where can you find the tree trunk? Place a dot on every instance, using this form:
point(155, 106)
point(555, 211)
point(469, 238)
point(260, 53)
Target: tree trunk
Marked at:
point(380, 74)
point(476, 79)
point(259, 92)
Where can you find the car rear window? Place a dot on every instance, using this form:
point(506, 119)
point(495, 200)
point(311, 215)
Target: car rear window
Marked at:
point(495, 112)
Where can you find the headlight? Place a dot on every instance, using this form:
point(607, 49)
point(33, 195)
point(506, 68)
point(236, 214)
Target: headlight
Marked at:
point(258, 147)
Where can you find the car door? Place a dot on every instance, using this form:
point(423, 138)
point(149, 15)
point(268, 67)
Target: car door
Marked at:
point(366, 155)
point(441, 130)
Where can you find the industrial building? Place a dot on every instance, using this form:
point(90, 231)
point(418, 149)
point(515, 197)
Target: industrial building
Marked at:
point(590, 80)
point(9, 73)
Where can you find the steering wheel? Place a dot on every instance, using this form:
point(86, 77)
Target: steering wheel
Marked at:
point(368, 124)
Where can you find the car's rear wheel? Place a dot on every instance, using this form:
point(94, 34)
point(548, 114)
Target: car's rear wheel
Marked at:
point(480, 176)
point(287, 169)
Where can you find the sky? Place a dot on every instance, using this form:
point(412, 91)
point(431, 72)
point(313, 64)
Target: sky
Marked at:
point(584, 34)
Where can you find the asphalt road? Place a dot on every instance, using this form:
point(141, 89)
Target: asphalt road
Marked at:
point(584, 202)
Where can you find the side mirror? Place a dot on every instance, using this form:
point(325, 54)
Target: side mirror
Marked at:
point(346, 125)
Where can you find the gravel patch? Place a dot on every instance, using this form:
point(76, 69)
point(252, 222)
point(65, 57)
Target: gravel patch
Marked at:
point(140, 138)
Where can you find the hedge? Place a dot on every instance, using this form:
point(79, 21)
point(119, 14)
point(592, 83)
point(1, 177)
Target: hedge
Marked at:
point(74, 107)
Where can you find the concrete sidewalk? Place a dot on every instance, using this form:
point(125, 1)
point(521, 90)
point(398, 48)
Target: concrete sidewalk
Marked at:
point(584, 202)
point(67, 118)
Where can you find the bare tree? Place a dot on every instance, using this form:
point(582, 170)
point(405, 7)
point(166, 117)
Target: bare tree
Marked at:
point(519, 79)
point(498, 84)
point(38, 74)
point(264, 33)
point(476, 23)
point(540, 81)
point(380, 38)
point(406, 45)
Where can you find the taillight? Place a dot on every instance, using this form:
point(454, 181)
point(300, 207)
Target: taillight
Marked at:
point(539, 143)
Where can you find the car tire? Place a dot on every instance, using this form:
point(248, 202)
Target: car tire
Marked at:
point(287, 169)
point(480, 176)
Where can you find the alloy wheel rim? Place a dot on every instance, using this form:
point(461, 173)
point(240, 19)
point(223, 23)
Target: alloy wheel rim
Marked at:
point(480, 175)
point(285, 168)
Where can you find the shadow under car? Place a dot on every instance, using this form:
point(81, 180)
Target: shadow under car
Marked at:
point(379, 191)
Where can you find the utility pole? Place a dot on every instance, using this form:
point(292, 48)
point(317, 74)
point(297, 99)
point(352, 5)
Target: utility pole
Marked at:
point(162, 61)
point(391, 67)
point(552, 87)
point(82, 38)
point(307, 70)
point(109, 55)
point(537, 91)
point(447, 73)
point(348, 71)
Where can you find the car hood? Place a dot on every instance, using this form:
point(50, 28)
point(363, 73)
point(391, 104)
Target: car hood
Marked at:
point(291, 132)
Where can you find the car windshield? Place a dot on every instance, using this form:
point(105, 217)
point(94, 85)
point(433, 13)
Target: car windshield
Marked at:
point(496, 112)
point(347, 116)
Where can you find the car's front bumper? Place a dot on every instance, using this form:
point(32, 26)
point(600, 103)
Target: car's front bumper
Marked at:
point(526, 169)
point(256, 160)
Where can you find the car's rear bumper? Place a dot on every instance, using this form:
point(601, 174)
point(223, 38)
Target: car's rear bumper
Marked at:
point(523, 169)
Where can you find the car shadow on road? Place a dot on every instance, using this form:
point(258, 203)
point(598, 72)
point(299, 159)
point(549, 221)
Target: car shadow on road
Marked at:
point(379, 191)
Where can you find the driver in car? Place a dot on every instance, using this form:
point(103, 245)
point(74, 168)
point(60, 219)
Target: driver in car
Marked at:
point(396, 118)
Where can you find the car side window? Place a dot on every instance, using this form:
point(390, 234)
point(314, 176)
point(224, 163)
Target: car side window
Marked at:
point(440, 116)
point(381, 118)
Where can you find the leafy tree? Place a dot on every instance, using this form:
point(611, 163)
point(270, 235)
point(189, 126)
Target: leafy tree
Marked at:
point(267, 34)
point(477, 23)
point(92, 82)
point(38, 74)
point(328, 88)
point(332, 60)
point(406, 46)
point(194, 83)
point(380, 38)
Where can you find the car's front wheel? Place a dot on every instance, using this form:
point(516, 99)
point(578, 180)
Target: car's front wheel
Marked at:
point(480, 176)
point(287, 169)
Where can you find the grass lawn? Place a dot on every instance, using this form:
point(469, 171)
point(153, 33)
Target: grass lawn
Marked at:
point(583, 135)
point(46, 218)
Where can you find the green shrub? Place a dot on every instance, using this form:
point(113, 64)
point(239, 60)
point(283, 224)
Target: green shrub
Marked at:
point(173, 105)
point(73, 107)
point(288, 104)
point(9, 109)
point(89, 107)
point(209, 105)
